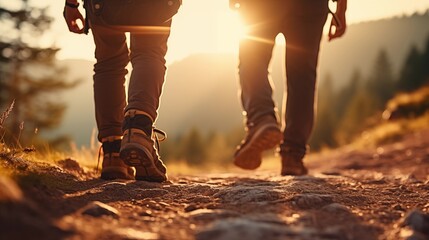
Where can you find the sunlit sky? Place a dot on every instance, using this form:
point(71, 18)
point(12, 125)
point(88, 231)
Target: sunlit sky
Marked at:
point(206, 26)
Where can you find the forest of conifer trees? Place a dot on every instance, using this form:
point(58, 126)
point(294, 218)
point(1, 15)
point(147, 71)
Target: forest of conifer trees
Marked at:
point(345, 112)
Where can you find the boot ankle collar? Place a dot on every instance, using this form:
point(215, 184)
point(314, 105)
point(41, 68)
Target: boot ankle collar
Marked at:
point(133, 112)
point(111, 146)
point(111, 139)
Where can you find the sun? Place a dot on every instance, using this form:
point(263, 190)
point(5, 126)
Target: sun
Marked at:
point(230, 29)
point(204, 26)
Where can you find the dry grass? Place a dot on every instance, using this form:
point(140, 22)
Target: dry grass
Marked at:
point(405, 113)
point(390, 131)
point(405, 105)
point(6, 113)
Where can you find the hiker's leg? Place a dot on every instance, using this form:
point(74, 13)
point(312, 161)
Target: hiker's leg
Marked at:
point(262, 132)
point(111, 53)
point(147, 78)
point(254, 59)
point(303, 34)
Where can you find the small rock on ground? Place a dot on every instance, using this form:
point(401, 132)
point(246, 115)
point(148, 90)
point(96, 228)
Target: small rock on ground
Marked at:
point(98, 209)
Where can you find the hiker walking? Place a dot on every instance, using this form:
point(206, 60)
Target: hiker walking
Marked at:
point(125, 125)
point(301, 22)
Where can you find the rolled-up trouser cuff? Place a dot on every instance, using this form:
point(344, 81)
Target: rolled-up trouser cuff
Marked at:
point(293, 149)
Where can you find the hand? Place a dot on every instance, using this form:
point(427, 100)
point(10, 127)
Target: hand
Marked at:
point(72, 17)
point(338, 23)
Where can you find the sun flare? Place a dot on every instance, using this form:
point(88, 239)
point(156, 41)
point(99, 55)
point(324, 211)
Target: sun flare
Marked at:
point(205, 26)
point(230, 29)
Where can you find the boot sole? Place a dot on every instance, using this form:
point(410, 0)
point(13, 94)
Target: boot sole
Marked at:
point(250, 156)
point(135, 156)
point(295, 172)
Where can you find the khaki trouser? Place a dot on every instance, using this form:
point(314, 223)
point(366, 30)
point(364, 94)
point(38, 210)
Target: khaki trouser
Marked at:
point(301, 22)
point(146, 54)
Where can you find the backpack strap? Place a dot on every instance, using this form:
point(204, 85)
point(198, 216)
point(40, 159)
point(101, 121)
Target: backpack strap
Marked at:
point(86, 26)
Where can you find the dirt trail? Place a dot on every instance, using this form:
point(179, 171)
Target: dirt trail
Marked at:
point(378, 193)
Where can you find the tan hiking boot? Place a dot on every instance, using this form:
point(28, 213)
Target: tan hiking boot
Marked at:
point(292, 159)
point(141, 151)
point(113, 167)
point(138, 150)
point(262, 136)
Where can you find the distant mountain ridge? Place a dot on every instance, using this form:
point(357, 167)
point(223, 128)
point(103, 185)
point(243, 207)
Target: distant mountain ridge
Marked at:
point(201, 90)
point(358, 48)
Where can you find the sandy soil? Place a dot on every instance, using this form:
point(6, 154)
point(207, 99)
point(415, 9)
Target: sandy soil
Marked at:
point(380, 193)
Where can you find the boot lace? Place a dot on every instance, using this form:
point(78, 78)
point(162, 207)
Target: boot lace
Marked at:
point(158, 136)
point(98, 159)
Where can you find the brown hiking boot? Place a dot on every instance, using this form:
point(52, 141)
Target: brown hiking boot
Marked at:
point(264, 135)
point(293, 166)
point(139, 150)
point(292, 161)
point(113, 167)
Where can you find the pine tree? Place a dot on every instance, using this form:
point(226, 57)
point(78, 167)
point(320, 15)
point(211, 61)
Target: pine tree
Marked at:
point(193, 147)
point(348, 98)
point(217, 149)
point(28, 75)
point(354, 119)
point(412, 72)
point(346, 94)
point(323, 134)
point(381, 82)
point(425, 63)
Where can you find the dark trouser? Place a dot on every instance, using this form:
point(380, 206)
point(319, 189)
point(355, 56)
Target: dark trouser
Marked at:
point(301, 22)
point(147, 52)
